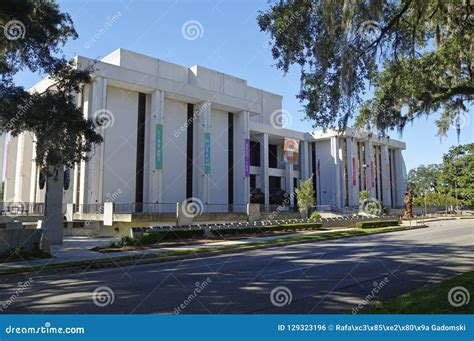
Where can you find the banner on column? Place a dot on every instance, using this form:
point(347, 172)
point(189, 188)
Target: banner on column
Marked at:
point(247, 157)
point(159, 147)
point(291, 150)
point(207, 153)
point(354, 175)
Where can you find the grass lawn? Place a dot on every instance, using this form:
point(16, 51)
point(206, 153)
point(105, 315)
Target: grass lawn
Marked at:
point(430, 300)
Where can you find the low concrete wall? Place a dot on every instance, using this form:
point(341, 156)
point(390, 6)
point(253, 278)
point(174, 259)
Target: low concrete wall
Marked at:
point(28, 239)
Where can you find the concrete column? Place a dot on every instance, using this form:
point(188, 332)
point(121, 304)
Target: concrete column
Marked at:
point(69, 212)
point(108, 213)
point(385, 177)
point(3, 136)
point(337, 191)
point(241, 182)
point(400, 177)
point(11, 165)
point(96, 163)
point(85, 179)
point(253, 212)
point(202, 125)
point(19, 168)
point(53, 214)
point(155, 176)
point(305, 166)
point(352, 172)
point(289, 181)
point(264, 181)
point(370, 167)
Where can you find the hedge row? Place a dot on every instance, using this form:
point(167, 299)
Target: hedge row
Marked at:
point(261, 229)
point(156, 236)
point(374, 224)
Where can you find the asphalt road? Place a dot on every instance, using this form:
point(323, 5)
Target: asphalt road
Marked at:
point(323, 277)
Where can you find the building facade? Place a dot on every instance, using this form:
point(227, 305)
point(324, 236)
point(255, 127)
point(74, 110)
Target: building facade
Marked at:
point(172, 133)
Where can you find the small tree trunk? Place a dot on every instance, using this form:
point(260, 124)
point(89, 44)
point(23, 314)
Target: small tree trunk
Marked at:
point(53, 220)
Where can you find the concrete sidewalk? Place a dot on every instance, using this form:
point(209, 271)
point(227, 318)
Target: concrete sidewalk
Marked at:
point(79, 249)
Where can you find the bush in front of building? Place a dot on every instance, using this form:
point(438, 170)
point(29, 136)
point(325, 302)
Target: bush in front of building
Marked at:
point(148, 238)
point(315, 215)
point(375, 224)
point(263, 229)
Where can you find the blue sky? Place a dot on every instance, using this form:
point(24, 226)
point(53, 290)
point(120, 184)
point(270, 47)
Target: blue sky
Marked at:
point(231, 42)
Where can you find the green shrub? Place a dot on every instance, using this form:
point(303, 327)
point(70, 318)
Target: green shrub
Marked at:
point(374, 224)
point(251, 230)
point(315, 215)
point(127, 241)
point(363, 195)
point(153, 237)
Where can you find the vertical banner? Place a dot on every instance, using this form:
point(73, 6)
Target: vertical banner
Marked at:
point(291, 150)
point(159, 147)
point(247, 157)
point(354, 175)
point(372, 174)
point(207, 153)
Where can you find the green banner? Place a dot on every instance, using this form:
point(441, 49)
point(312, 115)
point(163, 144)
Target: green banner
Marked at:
point(207, 153)
point(159, 147)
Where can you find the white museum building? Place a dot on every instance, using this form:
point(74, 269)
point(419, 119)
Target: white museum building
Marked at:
point(173, 132)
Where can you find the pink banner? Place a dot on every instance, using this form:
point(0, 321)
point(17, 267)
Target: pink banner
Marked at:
point(247, 157)
point(354, 175)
